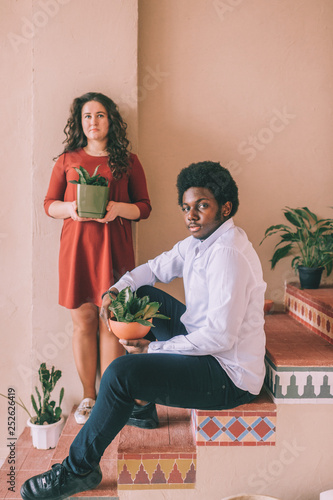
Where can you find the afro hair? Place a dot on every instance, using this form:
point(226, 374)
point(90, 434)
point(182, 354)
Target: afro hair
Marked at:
point(210, 175)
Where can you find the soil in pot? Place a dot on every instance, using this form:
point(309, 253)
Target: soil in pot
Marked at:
point(310, 276)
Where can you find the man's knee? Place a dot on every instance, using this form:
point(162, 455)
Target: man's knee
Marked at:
point(145, 290)
point(116, 368)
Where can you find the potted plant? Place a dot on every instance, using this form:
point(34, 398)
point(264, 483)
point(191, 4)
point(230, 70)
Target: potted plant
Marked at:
point(92, 194)
point(132, 315)
point(47, 424)
point(312, 241)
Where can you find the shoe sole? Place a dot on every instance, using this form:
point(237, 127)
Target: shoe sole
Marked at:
point(142, 424)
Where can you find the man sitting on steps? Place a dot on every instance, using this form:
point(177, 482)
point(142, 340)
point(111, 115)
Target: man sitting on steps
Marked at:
point(210, 355)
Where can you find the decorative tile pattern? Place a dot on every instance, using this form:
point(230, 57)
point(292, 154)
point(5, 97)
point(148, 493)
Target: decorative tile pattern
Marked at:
point(302, 306)
point(247, 425)
point(299, 384)
point(157, 471)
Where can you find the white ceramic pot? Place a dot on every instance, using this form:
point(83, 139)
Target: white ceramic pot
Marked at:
point(46, 436)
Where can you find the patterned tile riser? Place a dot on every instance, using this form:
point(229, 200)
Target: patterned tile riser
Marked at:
point(306, 385)
point(228, 429)
point(152, 473)
point(318, 321)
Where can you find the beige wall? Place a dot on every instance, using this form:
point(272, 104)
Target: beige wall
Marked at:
point(52, 51)
point(214, 79)
point(16, 211)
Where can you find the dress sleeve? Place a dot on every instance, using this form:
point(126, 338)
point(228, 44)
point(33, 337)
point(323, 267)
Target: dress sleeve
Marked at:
point(137, 187)
point(58, 184)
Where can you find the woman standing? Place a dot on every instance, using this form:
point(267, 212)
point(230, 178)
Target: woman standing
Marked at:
point(95, 253)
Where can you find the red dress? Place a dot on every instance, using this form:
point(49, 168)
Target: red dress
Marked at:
point(94, 255)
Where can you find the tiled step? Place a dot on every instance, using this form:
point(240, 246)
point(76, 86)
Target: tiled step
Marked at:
point(299, 363)
point(253, 424)
point(162, 458)
point(313, 308)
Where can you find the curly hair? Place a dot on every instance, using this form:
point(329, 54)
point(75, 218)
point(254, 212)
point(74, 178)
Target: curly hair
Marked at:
point(117, 145)
point(210, 175)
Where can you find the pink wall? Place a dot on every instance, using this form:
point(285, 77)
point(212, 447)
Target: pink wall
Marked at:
point(248, 84)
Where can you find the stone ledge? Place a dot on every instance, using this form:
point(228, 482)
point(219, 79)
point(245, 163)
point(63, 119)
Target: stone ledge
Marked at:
point(299, 363)
point(312, 308)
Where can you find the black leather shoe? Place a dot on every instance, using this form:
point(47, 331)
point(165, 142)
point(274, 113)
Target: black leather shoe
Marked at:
point(144, 417)
point(59, 482)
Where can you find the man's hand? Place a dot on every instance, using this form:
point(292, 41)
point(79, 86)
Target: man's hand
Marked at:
point(104, 311)
point(139, 346)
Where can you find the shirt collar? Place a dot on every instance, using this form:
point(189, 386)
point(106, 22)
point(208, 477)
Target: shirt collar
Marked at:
point(223, 228)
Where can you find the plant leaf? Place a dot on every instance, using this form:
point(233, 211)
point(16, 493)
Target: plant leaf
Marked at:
point(96, 170)
point(144, 322)
point(293, 218)
point(329, 267)
point(128, 307)
point(34, 405)
point(276, 229)
point(151, 310)
point(161, 316)
point(61, 396)
point(279, 254)
point(312, 215)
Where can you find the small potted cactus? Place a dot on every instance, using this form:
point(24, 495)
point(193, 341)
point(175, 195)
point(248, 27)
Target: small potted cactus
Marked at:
point(46, 426)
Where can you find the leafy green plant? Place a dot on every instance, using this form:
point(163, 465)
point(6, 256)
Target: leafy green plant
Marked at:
point(94, 180)
point(311, 238)
point(46, 410)
point(129, 308)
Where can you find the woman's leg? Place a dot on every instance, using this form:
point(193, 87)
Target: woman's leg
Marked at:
point(168, 379)
point(109, 346)
point(85, 326)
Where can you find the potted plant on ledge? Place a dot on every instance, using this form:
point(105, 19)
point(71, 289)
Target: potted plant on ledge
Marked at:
point(47, 424)
point(132, 315)
point(92, 194)
point(310, 238)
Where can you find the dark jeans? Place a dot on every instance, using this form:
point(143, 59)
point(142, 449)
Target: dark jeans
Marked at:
point(169, 379)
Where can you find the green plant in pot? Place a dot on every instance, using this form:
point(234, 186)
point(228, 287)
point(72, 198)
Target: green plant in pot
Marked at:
point(309, 239)
point(132, 316)
point(92, 194)
point(47, 424)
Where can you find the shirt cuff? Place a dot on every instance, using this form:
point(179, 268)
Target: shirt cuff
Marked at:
point(178, 346)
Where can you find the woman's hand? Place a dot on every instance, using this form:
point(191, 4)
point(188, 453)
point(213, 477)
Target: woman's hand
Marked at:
point(139, 346)
point(65, 210)
point(112, 211)
point(116, 209)
point(72, 210)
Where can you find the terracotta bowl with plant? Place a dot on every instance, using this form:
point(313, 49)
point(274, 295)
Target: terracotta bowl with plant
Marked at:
point(131, 315)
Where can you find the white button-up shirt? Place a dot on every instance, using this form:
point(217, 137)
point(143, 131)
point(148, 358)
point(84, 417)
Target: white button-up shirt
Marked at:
point(224, 294)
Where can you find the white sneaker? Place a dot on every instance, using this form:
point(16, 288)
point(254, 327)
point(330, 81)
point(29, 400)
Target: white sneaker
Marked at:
point(83, 410)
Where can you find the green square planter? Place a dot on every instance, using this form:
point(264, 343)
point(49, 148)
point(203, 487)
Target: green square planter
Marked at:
point(92, 200)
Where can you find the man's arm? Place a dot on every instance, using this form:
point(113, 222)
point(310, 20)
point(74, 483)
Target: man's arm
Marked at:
point(164, 268)
point(229, 288)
